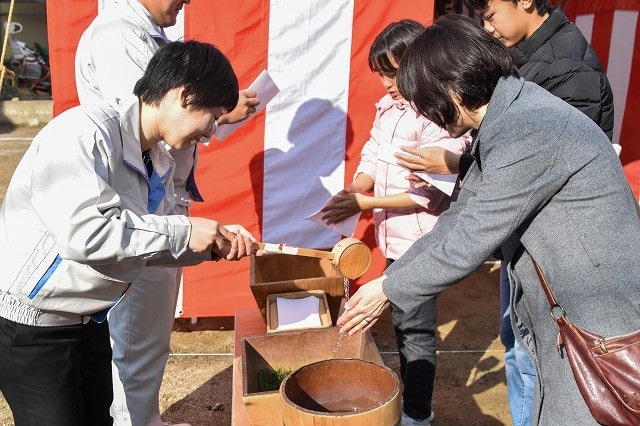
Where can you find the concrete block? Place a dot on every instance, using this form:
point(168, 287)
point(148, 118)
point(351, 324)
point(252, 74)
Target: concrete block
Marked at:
point(26, 113)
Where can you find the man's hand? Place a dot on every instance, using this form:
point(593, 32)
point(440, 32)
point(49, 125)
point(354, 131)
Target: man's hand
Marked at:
point(241, 245)
point(207, 234)
point(247, 103)
point(231, 242)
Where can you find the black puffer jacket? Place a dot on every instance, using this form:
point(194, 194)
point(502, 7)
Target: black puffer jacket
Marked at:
point(559, 58)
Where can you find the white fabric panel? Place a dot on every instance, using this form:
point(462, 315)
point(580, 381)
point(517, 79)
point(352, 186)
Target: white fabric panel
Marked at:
point(585, 23)
point(623, 37)
point(309, 59)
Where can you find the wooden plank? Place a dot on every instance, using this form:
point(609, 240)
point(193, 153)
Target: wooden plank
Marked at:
point(247, 321)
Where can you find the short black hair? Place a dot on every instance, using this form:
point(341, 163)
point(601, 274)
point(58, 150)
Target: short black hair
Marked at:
point(201, 68)
point(393, 40)
point(452, 57)
point(542, 6)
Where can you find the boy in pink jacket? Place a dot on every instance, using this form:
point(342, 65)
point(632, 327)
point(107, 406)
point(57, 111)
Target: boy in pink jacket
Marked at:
point(402, 212)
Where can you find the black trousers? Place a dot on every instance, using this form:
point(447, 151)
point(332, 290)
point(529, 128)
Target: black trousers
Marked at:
point(58, 376)
point(416, 339)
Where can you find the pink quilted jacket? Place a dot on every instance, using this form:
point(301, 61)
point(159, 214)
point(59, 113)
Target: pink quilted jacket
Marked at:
point(399, 124)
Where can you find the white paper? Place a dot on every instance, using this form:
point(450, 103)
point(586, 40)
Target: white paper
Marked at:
point(347, 227)
point(280, 248)
point(298, 313)
point(266, 89)
point(445, 183)
point(386, 153)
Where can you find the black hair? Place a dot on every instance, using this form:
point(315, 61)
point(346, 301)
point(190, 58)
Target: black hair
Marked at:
point(452, 57)
point(392, 41)
point(203, 70)
point(542, 6)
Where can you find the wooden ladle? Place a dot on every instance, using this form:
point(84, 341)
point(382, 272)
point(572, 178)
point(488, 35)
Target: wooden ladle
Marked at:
point(350, 256)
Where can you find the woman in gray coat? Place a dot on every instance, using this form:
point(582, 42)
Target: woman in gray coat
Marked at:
point(546, 183)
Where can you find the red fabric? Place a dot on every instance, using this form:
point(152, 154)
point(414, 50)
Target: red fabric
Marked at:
point(66, 20)
point(574, 8)
point(229, 174)
point(219, 289)
point(602, 42)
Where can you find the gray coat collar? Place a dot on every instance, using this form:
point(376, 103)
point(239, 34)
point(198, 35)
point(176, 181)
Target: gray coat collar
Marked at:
point(506, 92)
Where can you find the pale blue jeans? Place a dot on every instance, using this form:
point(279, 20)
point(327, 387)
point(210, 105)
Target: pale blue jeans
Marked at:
point(519, 369)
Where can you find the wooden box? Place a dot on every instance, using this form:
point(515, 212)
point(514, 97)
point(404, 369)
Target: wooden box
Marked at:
point(272, 309)
point(283, 273)
point(287, 351)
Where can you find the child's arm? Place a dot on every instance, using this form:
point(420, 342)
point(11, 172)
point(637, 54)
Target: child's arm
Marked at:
point(361, 184)
point(346, 204)
point(396, 201)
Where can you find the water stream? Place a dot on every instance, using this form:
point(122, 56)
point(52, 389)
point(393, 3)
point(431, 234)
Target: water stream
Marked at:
point(346, 296)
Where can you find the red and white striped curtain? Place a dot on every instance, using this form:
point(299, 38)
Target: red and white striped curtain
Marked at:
point(283, 164)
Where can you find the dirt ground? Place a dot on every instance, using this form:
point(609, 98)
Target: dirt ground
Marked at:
point(470, 385)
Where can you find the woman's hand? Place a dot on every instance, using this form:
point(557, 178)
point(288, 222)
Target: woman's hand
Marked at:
point(433, 159)
point(364, 308)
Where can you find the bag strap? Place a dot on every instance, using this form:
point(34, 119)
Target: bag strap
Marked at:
point(551, 298)
point(554, 305)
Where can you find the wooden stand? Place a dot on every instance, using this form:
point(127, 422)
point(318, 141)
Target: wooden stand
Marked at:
point(275, 273)
point(257, 351)
point(290, 349)
point(248, 321)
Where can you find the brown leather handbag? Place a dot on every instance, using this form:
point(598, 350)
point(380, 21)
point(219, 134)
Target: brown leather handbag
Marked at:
point(606, 369)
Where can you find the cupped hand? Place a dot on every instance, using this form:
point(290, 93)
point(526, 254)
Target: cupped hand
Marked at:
point(342, 206)
point(364, 308)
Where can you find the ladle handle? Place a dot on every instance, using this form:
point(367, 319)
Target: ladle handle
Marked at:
point(285, 249)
